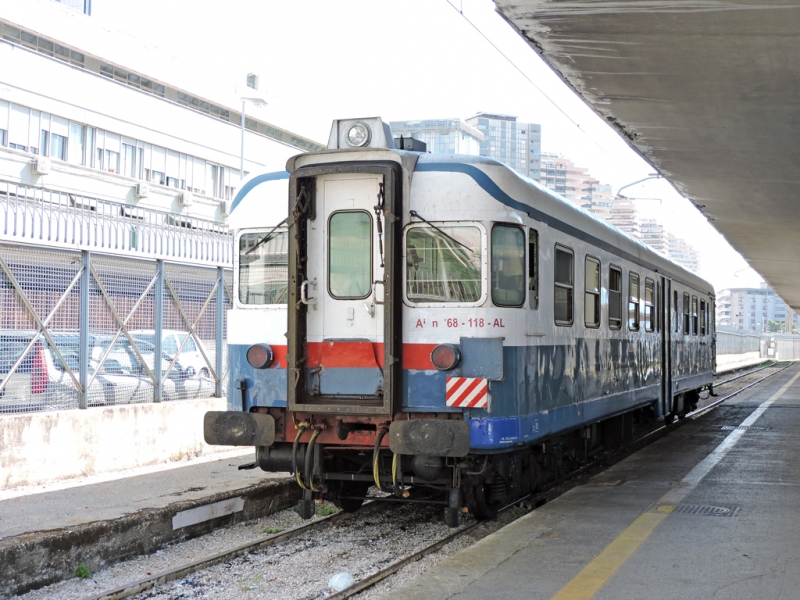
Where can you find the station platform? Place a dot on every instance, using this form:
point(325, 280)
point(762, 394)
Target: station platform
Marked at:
point(45, 535)
point(708, 511)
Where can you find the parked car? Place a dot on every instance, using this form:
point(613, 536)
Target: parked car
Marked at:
point(41, 381)
point(171, 339)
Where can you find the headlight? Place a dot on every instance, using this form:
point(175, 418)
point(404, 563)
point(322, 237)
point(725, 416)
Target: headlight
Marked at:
point(359, 135)
point(259, 356)
point(445, 357)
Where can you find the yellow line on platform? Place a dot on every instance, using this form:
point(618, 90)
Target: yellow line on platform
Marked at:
point(594, 575)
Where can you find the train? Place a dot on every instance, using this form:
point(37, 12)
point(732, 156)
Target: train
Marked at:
point(410, 320)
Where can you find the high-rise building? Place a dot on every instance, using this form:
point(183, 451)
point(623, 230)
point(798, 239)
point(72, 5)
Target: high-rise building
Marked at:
point(624, 216)
point(682, 253)
point(519, 145)
point(565, 178)
point(442, 136)
point(84, 6)
point(654, 235)
point(751, 309)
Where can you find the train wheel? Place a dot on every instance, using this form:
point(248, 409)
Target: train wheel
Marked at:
point(349, 495)
point(668, 419)
point(478, 502)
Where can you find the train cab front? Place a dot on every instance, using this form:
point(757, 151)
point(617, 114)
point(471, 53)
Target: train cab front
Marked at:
point(341, 415)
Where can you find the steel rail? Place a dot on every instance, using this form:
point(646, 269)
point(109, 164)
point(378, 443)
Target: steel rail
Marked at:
point(746, 374)
point(142, 585)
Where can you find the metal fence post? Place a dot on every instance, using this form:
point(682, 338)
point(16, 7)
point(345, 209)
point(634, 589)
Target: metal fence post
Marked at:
point(158, 327)
point(83, 330)
point(220, 337)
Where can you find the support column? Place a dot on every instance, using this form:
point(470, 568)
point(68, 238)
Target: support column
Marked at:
point(83, 330)
point(158, 327)
point(220, 330)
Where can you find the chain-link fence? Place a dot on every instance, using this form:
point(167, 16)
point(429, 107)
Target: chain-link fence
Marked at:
point(91, 326)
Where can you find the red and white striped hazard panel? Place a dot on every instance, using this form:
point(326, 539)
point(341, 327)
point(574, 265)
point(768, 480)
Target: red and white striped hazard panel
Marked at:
point(467, 392)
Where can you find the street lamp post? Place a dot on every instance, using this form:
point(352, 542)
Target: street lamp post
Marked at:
point(257, 102)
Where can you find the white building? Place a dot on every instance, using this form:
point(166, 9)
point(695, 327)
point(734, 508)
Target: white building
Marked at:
point(752, 309)
point(74, 119)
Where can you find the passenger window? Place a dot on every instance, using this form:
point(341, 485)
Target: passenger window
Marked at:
point(649, 305)
point(591, 297)
point(614, 298)
point(443, 264)
point(633, 302)
point(350, 254)
point(685, 314)
point(676, 322)
point(263, 267)
point(508, 265)
point(563, 286)
point(694, 315)
point(533, 268)
point(702, 317)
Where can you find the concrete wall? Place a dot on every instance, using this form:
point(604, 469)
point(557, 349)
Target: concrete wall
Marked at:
point(36, 448)
point(729, 362)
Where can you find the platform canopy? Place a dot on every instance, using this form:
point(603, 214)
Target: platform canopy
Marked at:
point(707, 91)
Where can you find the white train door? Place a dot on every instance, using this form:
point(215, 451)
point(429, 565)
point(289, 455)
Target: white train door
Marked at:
point(343, 233)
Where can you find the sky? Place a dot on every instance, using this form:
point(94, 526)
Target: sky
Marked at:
point(319, 60)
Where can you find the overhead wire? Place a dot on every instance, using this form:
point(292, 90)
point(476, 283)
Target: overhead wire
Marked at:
point(521, 72)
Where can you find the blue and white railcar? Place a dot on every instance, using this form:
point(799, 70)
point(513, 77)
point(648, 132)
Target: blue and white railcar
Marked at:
point(448, 324)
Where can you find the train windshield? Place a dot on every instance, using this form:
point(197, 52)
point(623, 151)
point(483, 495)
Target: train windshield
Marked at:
point(263, 267)
point(443, 264)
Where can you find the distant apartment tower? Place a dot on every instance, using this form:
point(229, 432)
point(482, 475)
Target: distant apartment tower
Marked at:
point(682, 253)
point(624, 216)
point(519, 145)
point(654, 235)
point(751, 309)
point(565, 178)
point(442, 136)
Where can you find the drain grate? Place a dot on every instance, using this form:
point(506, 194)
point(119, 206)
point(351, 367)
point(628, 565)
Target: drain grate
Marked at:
point(744, 427)
point(702, 510)
point(662, 485)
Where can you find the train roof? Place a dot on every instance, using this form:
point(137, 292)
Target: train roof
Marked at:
point(509, 186)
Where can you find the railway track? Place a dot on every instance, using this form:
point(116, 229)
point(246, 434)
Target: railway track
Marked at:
point(522, 505)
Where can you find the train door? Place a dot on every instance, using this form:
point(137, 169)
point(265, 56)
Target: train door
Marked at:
point(666, 308)
point(343, 245)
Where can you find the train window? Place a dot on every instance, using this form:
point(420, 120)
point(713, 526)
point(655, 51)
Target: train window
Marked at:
point(685, 314)
point(591, 296)
point(675, 313)
point(443, 264)
point(263, 267)
point(614, 298)
point(508, 265)
point(533, 268)
point(694, 315)
point(350, 254)
point(649, 305)
point(563, 286)
point(702, 317)
point(633, 302)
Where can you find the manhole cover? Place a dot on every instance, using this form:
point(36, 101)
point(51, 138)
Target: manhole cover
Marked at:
point(651, 484)
point(744, 427)
point(702, 510)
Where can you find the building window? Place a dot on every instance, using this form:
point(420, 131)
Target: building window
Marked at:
point(633, 302)
point(563, 289)
point(591, 296)
point(77, 143)
point(58, 146)
point(649, 305)
point(533, 268)
point(508, 265)
point(614, 298)
point(128, 160)
point(44, 143)
point(3, 141)
point(686, 314)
